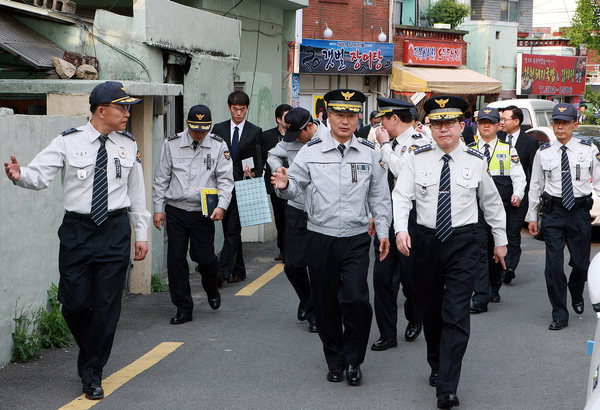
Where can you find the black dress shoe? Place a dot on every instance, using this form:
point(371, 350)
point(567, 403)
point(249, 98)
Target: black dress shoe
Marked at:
point(312, 327)
point(578, 307)
point(214, 299)
point(181, 318)
point(93, 391)
point(353, 375)
point(558, 324)
point(447, 400)
point(383, 344)
point(279, 257)
point(495, 299)
point(236, 278)
point(433, 379)
point(507, 275)
point(335, 376)
point(477, 307)
point(413, 330)
point(301, 313)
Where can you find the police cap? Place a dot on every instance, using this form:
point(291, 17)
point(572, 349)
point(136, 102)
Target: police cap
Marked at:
point(296, 120)
point(111, 92)
point(445, 107)
point(565, 112)
point(488, 113)
point(199, 118)
point(345, 100)
point(388, 105)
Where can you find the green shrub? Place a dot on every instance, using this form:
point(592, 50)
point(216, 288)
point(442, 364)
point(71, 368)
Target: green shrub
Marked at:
point(26, 341)
point(448, 12)
point(158, 284)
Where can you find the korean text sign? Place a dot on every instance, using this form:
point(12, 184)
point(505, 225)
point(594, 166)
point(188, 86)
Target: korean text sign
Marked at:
point(550, 75)
point(420, 52)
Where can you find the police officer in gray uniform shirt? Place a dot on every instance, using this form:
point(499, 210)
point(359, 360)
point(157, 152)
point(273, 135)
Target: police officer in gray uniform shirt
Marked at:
point(447, 181)
point(300, 129)
point(190, 161)
point(344, 179)
point(103, 187)
point(561, 188)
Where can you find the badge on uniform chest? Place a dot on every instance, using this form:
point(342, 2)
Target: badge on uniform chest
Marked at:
point(82, 173)
point(467, 173)
point(122, 152)
point(358, 169)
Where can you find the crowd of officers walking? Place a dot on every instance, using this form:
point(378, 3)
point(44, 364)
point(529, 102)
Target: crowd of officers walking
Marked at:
point(422, 198)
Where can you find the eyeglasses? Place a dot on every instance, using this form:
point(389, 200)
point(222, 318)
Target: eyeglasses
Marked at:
point(120, 107)
point(441, 124)
point(507, 119)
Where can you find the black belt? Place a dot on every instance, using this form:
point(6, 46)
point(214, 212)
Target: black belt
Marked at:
point(88, 217)
point(460, 229)
point(579, 202)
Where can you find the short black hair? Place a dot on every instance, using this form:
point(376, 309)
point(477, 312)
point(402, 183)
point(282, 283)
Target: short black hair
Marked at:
point(238, 97)
point(583, 105)
point(282, 109)
point(517, 113)
point(93, 108)
point(468, 115)
point(403, 115)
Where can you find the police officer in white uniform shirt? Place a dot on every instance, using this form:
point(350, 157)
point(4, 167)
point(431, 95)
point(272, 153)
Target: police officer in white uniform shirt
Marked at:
point(344, 180)
point(507, 172)
point(398, 139)
point(561, 189)
point(447, 181)
point(103, 188)
point(190, 161)
point(301, 127)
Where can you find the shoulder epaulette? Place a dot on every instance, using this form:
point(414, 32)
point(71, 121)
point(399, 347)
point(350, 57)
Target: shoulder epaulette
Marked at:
point(424, 148)
point(216, 137)
point(472, 144)
point(544, 146)
point(69, 131)
point(417, 136)
point(585, 142)
point(314, 141)
point(173, 137)
point(127, 134)
point(475, 153)
point(366, 142)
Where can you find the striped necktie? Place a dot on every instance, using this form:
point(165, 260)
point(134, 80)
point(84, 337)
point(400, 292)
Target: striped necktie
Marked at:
point(341, 148)
point(486, 152)
point(443, 223)
point(568, 199)
point(100, 188)
point(391, 177)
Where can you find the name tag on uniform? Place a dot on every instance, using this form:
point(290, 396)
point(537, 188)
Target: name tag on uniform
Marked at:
point(354, 173)
point(577, 172)
point(208, 162)
point(117, 168)
point(82, 173)
point(501, 157)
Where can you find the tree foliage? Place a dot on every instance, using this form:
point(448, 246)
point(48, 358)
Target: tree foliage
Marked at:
point(585, 25)
point(448, 12)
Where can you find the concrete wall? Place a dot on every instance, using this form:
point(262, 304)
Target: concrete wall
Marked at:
point(29, 251)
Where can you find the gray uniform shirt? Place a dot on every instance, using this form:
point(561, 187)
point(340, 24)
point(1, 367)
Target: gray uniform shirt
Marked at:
point(181, 172)
point(341, 191)
point(74, 154)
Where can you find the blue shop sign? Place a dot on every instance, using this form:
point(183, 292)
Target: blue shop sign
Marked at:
point(345, 57)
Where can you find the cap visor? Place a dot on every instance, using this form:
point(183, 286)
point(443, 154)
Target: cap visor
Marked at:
point(492, 119)
point(563, 117)
point(291, 136)
point(127, 101)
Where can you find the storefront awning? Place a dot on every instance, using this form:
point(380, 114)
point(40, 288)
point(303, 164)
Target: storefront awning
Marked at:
point(442, 80)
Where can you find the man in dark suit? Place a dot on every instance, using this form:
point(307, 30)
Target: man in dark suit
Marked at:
point(243, 139)
point(513, 133)
point(270, 138)
point(363, 132)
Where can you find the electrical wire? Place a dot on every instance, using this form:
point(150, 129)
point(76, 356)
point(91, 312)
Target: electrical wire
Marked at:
point(257, 41)
point(236, 4)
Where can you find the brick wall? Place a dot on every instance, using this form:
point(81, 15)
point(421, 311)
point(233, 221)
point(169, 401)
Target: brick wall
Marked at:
point(348, 19)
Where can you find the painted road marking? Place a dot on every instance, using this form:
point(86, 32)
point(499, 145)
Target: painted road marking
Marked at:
point(120, 377)
point(262, 280)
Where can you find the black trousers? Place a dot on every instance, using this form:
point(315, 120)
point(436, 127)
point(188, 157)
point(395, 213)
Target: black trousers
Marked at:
point(514, 223)
point(338, 270)
point(279, 207)
point(445, 274)
point(388, 274)
point(231, 258)
point(183, 228)
point(295, 258)
point(93, 263)
point(489, 273)
point(574, 229)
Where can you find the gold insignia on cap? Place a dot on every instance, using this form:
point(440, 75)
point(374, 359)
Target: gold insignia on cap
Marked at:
point(347, 95)
point(199, 116)
point(487, 111)
point(561, 109)
point(442, 103)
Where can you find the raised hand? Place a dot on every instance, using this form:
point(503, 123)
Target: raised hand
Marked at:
point(12, 169)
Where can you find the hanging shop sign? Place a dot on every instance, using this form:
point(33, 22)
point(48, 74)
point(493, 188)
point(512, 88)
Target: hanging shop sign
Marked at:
point(539, 74)
point(432, 53)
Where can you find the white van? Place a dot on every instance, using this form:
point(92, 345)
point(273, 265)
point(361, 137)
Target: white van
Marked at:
point(536, 113)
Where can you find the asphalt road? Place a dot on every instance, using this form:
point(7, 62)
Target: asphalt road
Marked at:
point(254, 354)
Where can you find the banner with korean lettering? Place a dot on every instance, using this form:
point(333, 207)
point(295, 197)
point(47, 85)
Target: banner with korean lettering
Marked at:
point(550, 75)
point(430, 52)
point(345, 57)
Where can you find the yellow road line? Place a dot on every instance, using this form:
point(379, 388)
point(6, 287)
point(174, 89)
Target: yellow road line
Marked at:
point(262, 280)
point(120, 377)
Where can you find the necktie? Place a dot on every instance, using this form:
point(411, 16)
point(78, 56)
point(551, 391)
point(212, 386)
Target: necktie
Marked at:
point(443, 223)
point(391, 177)
point(510, 138)
point(568, 199)
point(195, 145)
point(486, 152)
point(100, 188)
point(235, 140)
point(341, 148)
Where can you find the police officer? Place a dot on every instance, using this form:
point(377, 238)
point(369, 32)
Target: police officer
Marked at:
point(447, 181)
point(343, 178)
point(561, 188)
point(300, 129)
point(507, 172)
point(190, 161)
point(103, 188)
point(397, 138)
